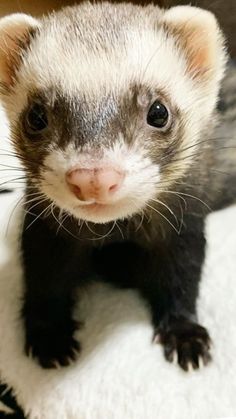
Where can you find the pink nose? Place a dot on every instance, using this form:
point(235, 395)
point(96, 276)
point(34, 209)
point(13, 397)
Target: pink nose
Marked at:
point(94, 184)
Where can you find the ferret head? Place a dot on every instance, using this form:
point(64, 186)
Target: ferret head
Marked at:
point(107, 102)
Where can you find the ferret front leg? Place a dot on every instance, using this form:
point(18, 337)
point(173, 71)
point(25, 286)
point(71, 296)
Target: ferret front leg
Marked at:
point(49, 330)
point(171, 288)
point(50, 273)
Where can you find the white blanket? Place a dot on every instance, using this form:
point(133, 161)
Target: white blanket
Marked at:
point(121, 374)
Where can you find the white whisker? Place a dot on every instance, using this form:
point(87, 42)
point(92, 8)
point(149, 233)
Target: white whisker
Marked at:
point(167, 207)
point(163, 216)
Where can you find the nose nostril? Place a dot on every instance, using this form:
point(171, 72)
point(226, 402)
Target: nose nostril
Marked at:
point(77, 191)
point(113, 188)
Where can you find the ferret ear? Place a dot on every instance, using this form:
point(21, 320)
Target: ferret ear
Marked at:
point(15, 32)
point(198, 33)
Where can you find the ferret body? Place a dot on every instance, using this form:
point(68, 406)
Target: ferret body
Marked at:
point(112, 111)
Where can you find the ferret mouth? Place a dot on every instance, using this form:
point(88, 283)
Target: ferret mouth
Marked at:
point(95, 206)
point(101, 212)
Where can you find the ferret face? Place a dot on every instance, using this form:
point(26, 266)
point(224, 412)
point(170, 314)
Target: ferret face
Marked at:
point(109, 102)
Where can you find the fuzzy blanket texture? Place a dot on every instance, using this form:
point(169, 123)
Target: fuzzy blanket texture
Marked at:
point(121, 373)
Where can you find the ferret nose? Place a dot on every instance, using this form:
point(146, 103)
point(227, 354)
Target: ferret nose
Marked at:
point(94, 184)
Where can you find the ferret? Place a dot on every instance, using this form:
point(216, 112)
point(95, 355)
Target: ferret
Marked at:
point(112, 109)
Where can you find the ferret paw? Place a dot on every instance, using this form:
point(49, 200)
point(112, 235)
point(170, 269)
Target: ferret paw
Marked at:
point(52, 348)
point(186, 343)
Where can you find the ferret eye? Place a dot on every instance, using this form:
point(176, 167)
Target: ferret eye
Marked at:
point(158, 115)
point(36, 119)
